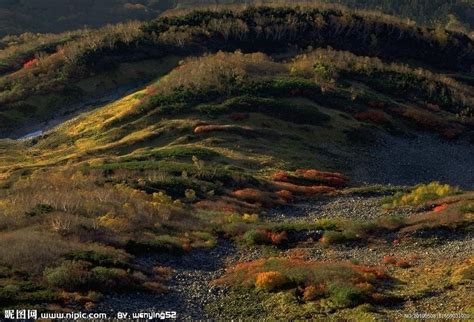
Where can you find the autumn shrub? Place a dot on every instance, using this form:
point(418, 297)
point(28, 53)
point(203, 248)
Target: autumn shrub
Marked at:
point(304, 190)
point(285, 195)
point(424, 119)
point(265, 198)
point(30, 63)
point(309, 178)
point(389, 259)
point(313, 292)
point(277, 238)
point(333, 284)
point(256, 237)
point(421, 194)
point(270, 281)
point(222, 128)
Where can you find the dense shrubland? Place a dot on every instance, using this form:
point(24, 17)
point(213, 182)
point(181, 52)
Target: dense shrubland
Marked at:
point(264, 29)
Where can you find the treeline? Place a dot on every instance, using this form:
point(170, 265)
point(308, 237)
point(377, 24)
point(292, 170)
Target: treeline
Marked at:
point(252, 29)
point(44, 16)
point(270, 29)
point(426, 12)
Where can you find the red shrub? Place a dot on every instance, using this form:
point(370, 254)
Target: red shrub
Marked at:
point(389, 260)
point(440, 208)
point(372, 116)
point(328, 178)
point(392, 260)
point(277, 238)
point(378, 272)
point(285, 195)
point(252, 195)
point(30, 63)
point(303, 190)
point(280, 176)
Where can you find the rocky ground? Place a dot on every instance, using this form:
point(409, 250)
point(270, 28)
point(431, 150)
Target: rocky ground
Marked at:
point(399, 162)
point(413, 160)
point(190, 288)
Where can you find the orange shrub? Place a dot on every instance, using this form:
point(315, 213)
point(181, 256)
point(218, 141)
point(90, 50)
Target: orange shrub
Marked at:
point(252, 195)
point(330, 178)
point(392, 260)
point(217, 205)
point(366, 286)
point(313, 292)
point(163, 271)
point(303, 190)
point(277, 238)
point(285, 195)
point(377, 272)
point(280, 176)
point(389, 259)
point(270, 281)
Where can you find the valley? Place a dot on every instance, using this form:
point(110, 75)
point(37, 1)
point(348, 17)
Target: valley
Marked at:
point(282, 162)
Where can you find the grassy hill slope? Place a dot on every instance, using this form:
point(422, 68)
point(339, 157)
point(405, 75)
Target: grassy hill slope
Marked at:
point(84, 64)
point(198, 157)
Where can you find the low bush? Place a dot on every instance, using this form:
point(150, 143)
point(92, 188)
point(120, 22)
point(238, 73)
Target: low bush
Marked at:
point(71, 275)
point(338, 285)
point(256, 237)
point(377, 117)
point(270, 281)
point(310, 177)
point(420, 195)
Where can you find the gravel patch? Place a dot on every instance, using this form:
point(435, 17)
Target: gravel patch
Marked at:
point(346, 206)
point(190, 287)
point(409, 161)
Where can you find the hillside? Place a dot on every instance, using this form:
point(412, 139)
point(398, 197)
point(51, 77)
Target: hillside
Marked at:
point(49, 16)
point(239, 163)
point(54, 16)
point(87, 65)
